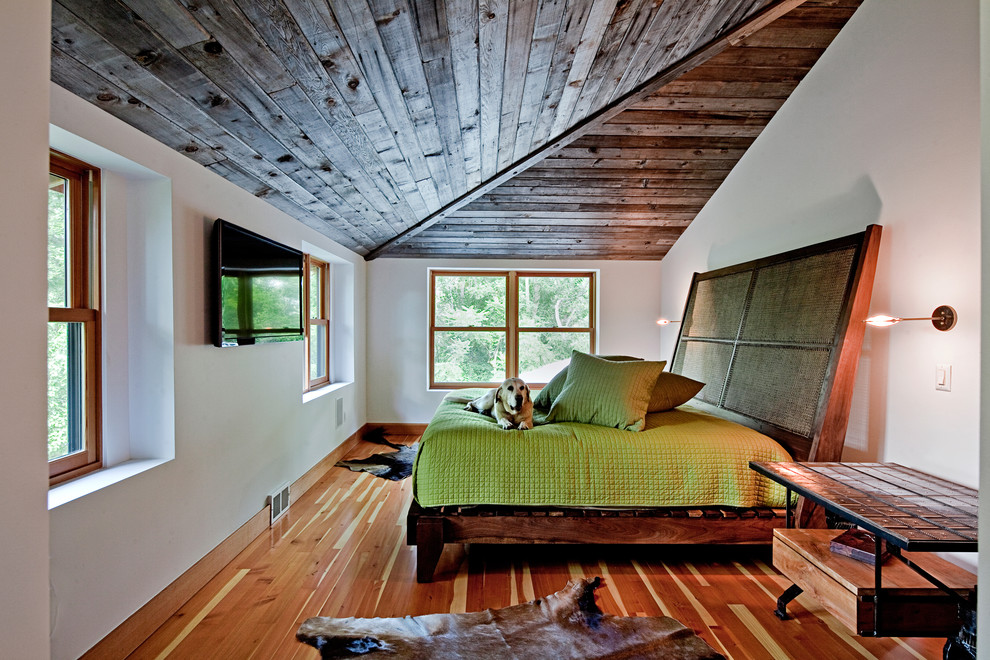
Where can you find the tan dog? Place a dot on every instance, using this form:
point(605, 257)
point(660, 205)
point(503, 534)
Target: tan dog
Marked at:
point(509, 404)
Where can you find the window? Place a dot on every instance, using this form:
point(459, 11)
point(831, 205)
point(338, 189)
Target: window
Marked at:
point(74, 379)
point(318, 323)
point(486, 326)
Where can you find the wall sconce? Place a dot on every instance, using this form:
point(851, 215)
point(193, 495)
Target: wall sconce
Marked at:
point(665, 321)
point(943, 318)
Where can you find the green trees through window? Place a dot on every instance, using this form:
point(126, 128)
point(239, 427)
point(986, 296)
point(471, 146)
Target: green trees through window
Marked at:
point(58, 336)
point(487, 326)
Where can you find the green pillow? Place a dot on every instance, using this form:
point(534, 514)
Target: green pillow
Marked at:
point(544, 400)
point(672, 390)
point(606, 393)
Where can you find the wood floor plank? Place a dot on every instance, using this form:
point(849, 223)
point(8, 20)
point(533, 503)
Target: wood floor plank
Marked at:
point(340, 550)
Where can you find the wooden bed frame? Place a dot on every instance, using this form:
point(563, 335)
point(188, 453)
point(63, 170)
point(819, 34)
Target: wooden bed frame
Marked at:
point(767, 294)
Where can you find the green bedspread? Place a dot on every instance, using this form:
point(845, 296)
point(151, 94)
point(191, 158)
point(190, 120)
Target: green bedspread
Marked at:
point(684, 457)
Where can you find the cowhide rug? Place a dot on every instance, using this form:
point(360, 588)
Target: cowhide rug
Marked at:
point(392, 465)
point(567, 624)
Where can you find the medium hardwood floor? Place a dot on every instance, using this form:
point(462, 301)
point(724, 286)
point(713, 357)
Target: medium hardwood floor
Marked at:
point(340, 551)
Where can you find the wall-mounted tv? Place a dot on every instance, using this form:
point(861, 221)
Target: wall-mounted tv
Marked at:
point(257, 288)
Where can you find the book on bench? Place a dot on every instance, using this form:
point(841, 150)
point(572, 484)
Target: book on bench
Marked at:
point(860, 545)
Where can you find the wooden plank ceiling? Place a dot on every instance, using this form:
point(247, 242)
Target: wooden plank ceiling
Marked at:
point(456, 128)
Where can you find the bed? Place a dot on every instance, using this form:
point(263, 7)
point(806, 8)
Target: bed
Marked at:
point(775, 342)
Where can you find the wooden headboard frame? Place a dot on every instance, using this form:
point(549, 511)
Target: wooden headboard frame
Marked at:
point(821, 439)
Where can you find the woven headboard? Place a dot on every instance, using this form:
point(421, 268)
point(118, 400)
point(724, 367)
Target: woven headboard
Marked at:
point(777, 341)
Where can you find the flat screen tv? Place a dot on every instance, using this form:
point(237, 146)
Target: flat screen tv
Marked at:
point(257, 288)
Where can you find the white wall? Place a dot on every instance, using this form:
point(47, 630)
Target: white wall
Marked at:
point(25, 35)
point(398, 324)
point(241, 427)
point(884, 129)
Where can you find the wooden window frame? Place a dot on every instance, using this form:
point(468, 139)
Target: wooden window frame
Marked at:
point(512, 328)
point(321, 318)
point(83, 307)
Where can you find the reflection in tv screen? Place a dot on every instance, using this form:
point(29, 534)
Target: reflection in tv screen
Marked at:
point(260, 288)
point(255, 302)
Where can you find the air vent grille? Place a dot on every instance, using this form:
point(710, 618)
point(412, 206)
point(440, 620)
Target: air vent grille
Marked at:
point(279, 501)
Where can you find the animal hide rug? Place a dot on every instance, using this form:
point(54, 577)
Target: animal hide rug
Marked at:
point(391, 465)
point(567, 624)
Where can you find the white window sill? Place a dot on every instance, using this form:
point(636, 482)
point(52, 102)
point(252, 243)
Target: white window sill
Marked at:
point(90, 483)
point(323, 391)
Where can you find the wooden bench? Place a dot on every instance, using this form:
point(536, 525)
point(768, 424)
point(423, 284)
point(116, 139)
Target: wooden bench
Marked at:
point(915, 514)
point(912, 605)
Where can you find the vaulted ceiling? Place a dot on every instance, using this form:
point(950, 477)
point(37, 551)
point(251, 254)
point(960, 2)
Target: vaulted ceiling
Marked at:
point(455, 128)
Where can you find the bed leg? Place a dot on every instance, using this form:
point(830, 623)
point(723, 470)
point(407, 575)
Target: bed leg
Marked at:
point(429, 546)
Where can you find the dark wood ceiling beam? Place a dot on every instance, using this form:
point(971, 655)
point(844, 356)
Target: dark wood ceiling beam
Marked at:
point(728, 89)
point(563, 184)
point(599, 205)
point(606, 173)
point(619, 196)
point(537, 227)
point(537, 252)
point(563, 234)
point(662, 142)
point(711, 104)
point(557, 244)
point(485, 217)
point(629, 190)
point(761, 19)
point(596, 154)
point(653, 164)
point(794, 36)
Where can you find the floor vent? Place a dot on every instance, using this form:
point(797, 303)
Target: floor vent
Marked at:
point(279, 501)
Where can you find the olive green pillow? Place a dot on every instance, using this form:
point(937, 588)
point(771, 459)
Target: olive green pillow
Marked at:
point(672, 390)
point(551, 390)
point(606, 393)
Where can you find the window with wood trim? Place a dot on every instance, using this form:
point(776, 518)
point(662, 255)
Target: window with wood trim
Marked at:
point(318, 323)
point(74, 378)
point(486, 326)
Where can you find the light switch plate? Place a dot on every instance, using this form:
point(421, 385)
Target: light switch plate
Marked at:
point(943, 377)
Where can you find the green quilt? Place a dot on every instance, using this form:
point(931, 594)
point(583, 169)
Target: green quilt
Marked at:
point(683, 457)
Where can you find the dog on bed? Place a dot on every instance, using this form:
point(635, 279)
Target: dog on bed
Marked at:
point(509, 404)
